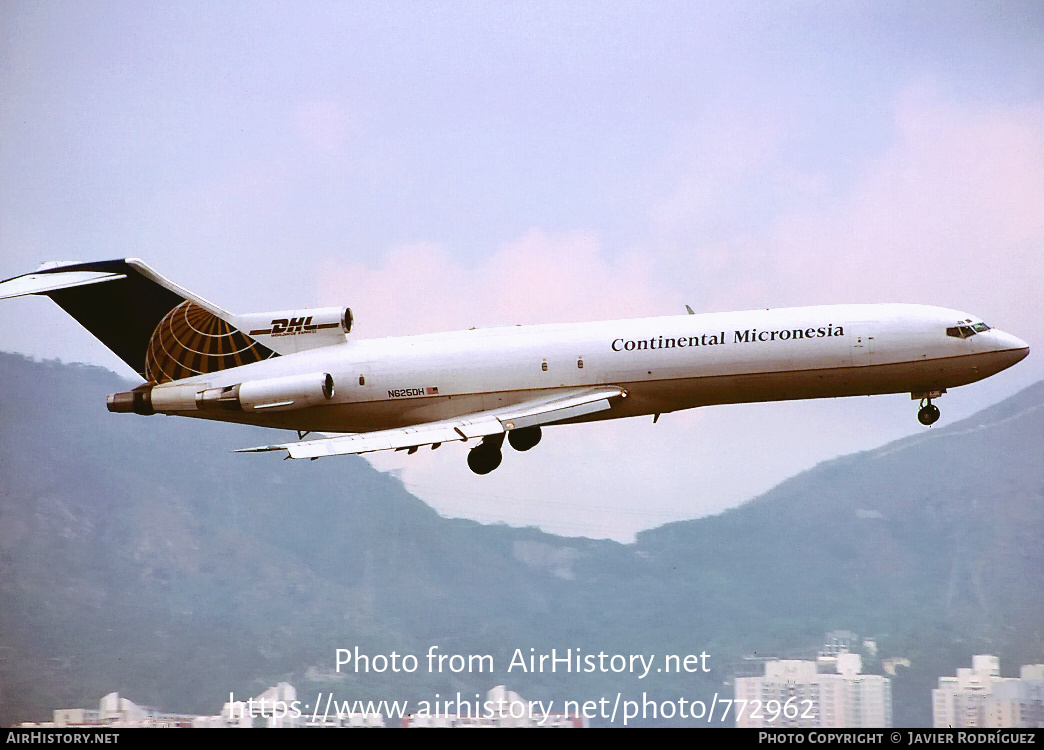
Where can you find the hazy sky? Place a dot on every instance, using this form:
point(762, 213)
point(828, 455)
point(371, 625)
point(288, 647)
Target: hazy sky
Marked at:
point(444, 165)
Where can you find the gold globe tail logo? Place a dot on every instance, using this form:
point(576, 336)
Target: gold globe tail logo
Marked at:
point(192, 341)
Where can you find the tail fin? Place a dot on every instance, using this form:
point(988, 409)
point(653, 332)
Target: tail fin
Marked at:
point(162, 331)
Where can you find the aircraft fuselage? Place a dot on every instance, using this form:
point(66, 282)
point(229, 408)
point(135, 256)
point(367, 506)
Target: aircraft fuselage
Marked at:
point(664, 364)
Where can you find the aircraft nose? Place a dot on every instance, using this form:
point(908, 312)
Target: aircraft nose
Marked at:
point(1013, 345)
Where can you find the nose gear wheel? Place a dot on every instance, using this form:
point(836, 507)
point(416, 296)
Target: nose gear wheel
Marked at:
point(928, 413)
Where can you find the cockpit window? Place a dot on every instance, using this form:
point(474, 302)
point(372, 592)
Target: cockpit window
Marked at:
point(966, 329)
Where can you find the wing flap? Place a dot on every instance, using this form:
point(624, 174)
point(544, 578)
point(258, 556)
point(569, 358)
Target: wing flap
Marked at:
point(533, 412)
point(557, 415)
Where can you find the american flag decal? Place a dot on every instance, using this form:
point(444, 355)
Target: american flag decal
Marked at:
point(432, 391)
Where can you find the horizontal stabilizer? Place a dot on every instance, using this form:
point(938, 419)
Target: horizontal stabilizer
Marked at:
point(41, 283)
point(162, 331)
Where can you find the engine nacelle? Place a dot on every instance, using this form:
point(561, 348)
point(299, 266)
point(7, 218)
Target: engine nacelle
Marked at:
point(277, 394)
point(288, 331)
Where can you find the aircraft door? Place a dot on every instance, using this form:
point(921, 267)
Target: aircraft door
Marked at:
point(863, 344)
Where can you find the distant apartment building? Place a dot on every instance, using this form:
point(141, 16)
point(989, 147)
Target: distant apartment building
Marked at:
point(794, 693)
point(279, 707)
point(980, 697)
point(274, 708)
point(117, 712)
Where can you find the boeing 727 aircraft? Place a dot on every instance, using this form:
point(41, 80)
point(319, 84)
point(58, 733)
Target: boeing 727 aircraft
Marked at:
point(300, 369)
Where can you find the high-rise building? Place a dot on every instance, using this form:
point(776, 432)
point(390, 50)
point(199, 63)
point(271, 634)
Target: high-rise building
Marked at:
point(980, 697)
point(794, 693)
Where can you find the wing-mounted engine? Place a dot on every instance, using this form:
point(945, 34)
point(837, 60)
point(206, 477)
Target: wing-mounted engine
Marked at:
point(289, 331)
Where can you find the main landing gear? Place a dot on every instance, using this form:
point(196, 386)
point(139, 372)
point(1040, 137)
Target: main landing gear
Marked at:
point(486, 456)
point(928, 413)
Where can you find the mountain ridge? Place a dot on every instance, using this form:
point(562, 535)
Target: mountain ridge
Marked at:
point(138, 557)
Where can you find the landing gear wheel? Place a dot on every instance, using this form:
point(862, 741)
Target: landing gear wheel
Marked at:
point(525, 438)
point(929, 414)
point(485, 458)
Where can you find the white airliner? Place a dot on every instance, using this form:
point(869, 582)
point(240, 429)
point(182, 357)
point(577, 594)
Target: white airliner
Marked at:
point(300, 369)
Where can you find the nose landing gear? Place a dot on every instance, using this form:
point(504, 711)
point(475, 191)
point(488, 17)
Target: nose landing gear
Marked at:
point(928, 413)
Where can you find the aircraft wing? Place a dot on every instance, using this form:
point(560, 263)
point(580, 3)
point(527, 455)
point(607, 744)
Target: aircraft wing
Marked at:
point(540, 410)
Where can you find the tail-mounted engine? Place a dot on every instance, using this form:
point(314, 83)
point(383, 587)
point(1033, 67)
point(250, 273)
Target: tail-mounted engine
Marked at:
point(275, 394)
point(289, 331)
point(295, 392)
